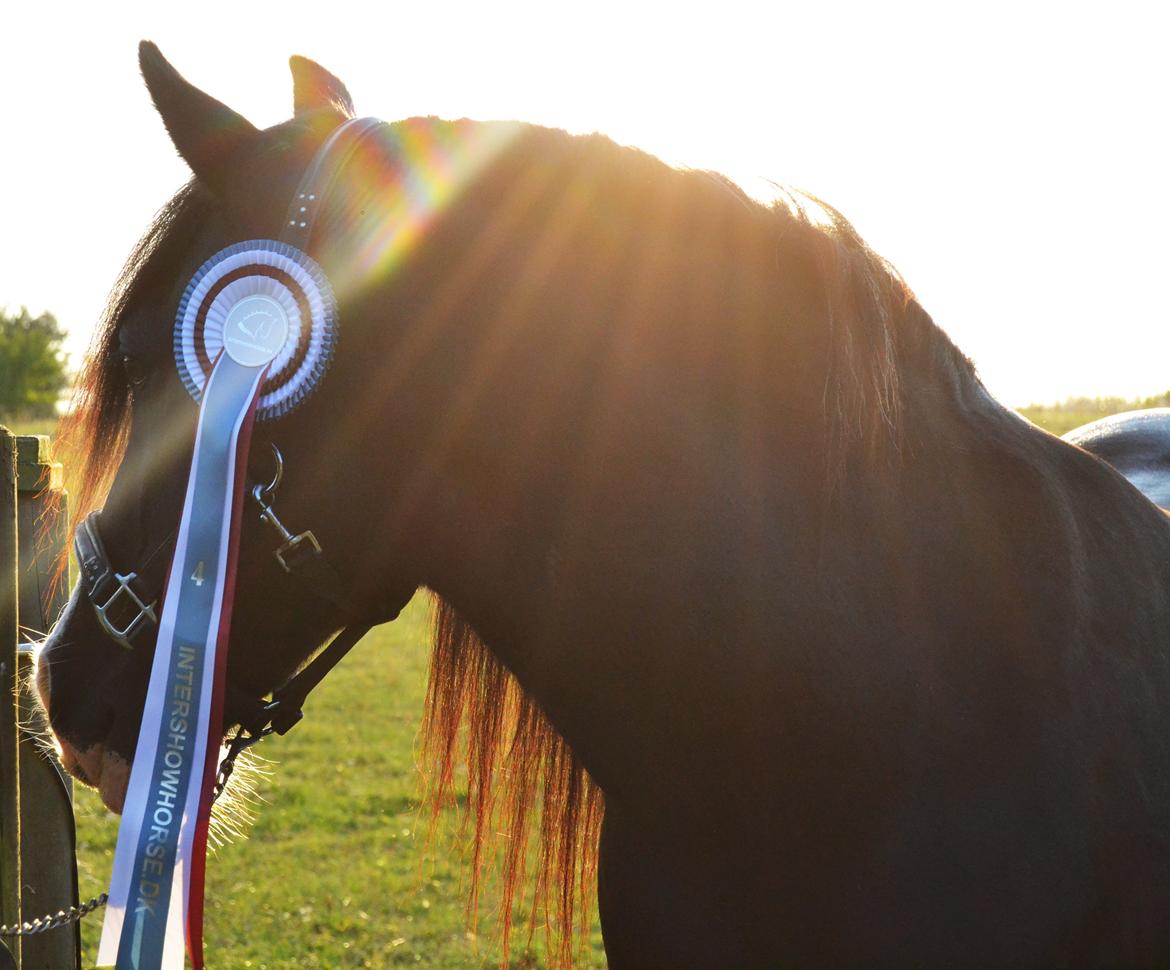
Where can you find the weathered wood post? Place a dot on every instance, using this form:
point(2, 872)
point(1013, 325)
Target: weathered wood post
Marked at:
point(40, 876)
point(48, 843)
point(9, 732)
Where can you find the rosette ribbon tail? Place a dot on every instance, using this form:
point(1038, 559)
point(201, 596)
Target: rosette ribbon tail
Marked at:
point(156, 892)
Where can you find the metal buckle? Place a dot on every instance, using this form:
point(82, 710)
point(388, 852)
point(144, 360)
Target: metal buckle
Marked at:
point(143, 612)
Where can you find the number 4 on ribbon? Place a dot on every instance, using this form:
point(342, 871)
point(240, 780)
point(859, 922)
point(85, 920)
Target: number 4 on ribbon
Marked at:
point(197, 576)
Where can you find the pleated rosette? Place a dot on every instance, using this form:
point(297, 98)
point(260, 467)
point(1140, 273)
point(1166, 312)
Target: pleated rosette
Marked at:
point(294, 283)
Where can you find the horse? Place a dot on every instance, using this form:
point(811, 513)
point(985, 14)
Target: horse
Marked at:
point(812, 652)
point(1137, 444)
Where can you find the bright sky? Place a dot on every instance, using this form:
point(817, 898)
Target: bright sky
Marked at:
point(1010, 159)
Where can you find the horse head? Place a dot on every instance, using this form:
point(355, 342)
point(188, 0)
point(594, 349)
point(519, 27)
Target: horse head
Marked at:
point(137, 422)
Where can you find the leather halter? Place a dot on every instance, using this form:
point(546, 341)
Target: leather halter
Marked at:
point(127, 612)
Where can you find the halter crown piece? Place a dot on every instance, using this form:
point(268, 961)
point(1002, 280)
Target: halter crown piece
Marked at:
point(265, 301)
point(254, 333)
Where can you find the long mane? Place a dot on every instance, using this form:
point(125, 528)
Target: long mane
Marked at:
point(517, 764)
point(93, 433)
point(515, 761)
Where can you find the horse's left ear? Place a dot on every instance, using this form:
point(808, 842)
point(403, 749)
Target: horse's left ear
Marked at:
point(207, 133)
point(315, 88)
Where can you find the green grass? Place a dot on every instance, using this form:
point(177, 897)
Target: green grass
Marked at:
point(334, 873)
point(1076, 411)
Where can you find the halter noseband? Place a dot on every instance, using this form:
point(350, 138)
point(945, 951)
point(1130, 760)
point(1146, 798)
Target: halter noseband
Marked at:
point(126, 611)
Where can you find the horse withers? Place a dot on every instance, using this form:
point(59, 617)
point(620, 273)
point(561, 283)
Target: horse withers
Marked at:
point(738, 562)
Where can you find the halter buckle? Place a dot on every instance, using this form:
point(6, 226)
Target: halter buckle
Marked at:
point(122, 613)
point(124, 630)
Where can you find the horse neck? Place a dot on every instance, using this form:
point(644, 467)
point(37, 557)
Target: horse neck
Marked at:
point(599, 405)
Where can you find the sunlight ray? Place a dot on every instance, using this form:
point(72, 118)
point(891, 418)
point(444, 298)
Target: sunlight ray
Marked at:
point(505, 328)
point(420, 335)
point(605, 413)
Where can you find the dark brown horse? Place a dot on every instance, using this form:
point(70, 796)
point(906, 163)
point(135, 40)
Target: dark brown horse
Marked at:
point(869, 670)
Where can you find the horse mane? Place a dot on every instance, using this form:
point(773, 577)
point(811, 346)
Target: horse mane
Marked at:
point(515, 758)
point(92, 435)
point(864, 298)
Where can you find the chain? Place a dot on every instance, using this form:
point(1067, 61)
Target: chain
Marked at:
point(241, 740)
point(74, 914)
point(63, 917)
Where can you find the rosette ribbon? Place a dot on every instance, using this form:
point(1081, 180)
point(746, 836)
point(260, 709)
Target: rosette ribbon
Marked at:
point(156, 891)
point(253, 335)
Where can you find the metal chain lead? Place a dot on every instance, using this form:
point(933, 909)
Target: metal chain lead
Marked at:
point(241, 740)
point(74, 914)
point(62, 917)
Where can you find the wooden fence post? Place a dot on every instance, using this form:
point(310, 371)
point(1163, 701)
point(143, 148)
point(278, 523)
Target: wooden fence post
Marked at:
point(9, 734)
point(38, 867)
point(48, 843)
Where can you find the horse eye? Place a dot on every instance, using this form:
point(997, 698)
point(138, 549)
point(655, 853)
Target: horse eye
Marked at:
point(136, 371)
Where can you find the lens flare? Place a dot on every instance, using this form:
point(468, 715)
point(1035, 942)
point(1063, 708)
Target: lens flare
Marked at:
point(400, 185)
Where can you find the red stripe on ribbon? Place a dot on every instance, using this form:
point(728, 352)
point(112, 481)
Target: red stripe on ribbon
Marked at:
point(196, 879)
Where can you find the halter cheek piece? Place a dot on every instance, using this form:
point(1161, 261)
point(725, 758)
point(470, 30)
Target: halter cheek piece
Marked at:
point(287, 285)
point(117, 598)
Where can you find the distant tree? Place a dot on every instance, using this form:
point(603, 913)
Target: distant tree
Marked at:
point(1157, 401)
point(32, 366)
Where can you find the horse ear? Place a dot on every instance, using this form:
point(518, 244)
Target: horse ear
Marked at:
point(207, 133)
point(315, 88)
